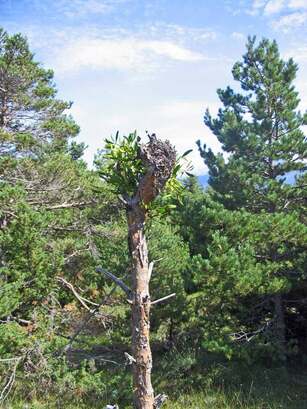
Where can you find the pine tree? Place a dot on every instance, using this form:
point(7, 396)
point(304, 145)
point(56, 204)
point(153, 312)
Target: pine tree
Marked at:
point(260, 130)
point(50, 218)
point(31, 117)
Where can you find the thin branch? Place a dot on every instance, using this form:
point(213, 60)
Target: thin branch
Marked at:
point(20, 320)
point(151, 265)
point(81, 299)
point(100, 358)
point(248, 336)
point(116, 280)
point(16, 358)
point(163, 299)
point(159, 400)
point(7, 388)
point(124, 201)
point(129, 358)
point(70, 205)
point(158, 259)
point(150, 268)
point(86, 320)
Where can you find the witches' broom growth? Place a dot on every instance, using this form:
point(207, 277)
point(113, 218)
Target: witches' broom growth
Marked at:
point(139, 173)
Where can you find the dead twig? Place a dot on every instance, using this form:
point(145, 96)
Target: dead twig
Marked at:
point(163, 299)
point(159, 400)
point(81, 299)
point(116, 280)
point(86, 320)
point(9, 384)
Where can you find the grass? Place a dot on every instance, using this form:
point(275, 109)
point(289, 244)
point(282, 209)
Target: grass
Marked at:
point(191, 383)
point(283, 392)
point(210, 399)
point(273, 389)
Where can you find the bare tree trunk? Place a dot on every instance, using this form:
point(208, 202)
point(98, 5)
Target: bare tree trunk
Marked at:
point(142, 388)
point(159, 159)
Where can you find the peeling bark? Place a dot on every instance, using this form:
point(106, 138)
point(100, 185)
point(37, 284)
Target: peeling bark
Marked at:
point(159, 159)
point(142, 388)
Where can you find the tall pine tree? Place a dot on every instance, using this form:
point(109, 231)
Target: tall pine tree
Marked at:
point(260, 130)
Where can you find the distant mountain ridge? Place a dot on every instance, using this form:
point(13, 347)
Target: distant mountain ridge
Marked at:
point(203, 179)
point(290, 178)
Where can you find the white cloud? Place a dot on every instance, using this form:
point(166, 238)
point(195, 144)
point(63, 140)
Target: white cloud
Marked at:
point(170, 50)
point(257, 4)
point(297, 4)
point(298, 54)
point(292, 14)
point(179, 121)
point(256, 7)
point(77, 8)
point(192, 33)
point(141, 49)
point(119, 54)
point(273, 6)
point(290, 21)
point(182, 123)
point(238, 36)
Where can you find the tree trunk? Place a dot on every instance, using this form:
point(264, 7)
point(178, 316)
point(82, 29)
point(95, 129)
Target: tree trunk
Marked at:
point(280, 327)
point(159, 159)
point(142, 388)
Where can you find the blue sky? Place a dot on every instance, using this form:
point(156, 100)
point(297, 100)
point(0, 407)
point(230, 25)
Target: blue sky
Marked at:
point(152, 65)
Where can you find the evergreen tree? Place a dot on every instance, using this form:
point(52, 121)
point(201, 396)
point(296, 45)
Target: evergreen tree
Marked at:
point(32, 119)
point(50, 218)
point(260, 130)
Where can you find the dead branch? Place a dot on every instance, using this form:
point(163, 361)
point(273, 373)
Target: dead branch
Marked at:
point(81, 299)
point(20, 320)
point(78, 205)
point(163, 298)
point(110, 361)
point(243, 336)
point(115, 280)
point(17, 358)
point(159, 400)
point(86, 320)
point(150, 268)
point(129, 359)
point(8, 386)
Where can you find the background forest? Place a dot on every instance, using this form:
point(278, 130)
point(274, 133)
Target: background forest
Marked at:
point(234, 252)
